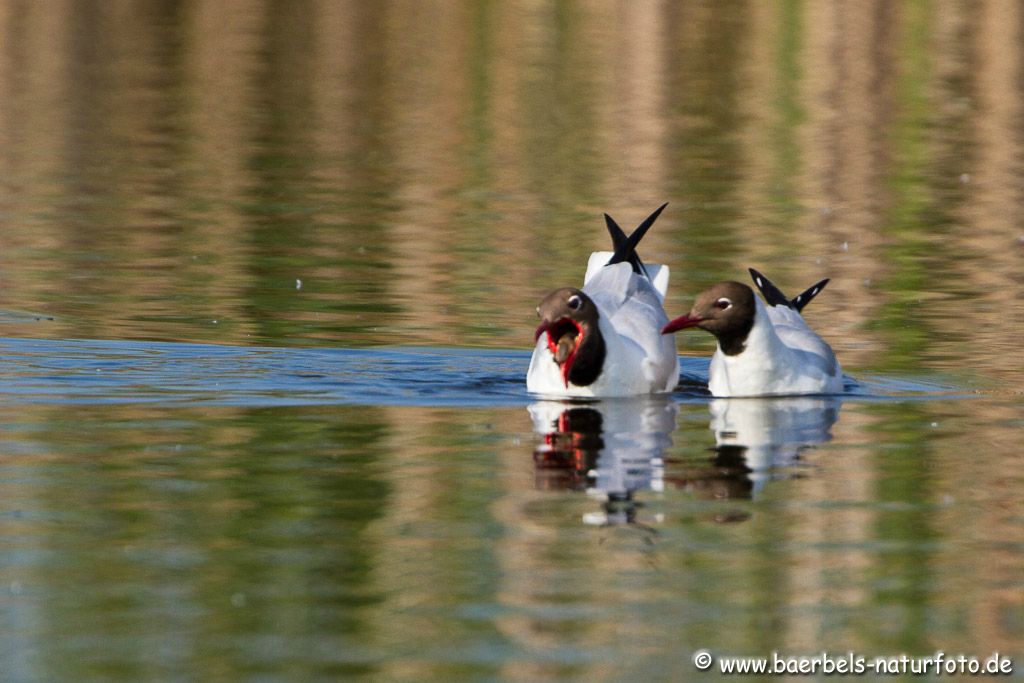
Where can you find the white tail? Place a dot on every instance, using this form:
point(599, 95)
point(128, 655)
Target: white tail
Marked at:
point(659, 273)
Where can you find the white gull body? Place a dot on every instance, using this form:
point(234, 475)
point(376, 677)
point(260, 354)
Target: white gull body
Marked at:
point(638, 359)
point(782, 356)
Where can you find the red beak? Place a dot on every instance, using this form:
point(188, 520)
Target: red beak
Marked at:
point(557, 326)
point(681, 323)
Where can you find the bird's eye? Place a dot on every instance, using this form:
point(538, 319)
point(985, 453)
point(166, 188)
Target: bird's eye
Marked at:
point(575, 302)
point(723, 304)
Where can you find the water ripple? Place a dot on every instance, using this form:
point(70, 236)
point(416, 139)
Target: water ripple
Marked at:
point(94, 371)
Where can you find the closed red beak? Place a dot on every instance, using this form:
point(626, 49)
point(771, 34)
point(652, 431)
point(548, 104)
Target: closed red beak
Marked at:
point(681, 323)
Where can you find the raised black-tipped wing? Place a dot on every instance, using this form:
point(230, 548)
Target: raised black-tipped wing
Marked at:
point(774, 296)
point(625, 247)
point(619, 241)
point(805, 297)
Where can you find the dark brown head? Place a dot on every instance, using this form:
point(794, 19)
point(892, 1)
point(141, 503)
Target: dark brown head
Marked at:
point(726, 310)
point(569, 318)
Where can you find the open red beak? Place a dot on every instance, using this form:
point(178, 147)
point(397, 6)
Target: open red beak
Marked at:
point(681, 323)
point(555, 330)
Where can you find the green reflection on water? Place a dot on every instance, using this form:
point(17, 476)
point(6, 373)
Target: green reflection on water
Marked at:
point(427, 172)
point(197, 530)
point(305, 541)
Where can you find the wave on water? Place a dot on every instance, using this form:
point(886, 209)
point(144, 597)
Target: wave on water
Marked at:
point(95, 371)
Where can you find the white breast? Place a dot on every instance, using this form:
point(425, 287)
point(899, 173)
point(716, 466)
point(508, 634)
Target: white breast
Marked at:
point(782, 356)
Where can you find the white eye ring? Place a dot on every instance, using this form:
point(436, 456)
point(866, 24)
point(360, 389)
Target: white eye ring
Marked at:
point(723, 304)
point(575, 302)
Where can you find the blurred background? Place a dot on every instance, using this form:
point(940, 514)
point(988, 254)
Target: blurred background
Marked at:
point(343, 175)
point(428, 170)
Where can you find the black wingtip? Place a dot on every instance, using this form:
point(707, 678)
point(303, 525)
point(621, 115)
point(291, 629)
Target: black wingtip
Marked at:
point(620, 246)
point(617, 234)
point(772, 294)
point(626, 250)
point(805, 296)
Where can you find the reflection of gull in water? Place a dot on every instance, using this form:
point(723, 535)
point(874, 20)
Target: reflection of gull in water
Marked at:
point(756, 436)
point(610, 448)
point(614, 448)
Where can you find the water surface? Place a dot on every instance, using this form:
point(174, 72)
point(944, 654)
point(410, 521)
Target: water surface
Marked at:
point(268, 284)
point(172, 508)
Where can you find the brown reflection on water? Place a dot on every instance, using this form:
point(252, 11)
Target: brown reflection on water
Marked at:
point(386, 534)
point(359, 173)
point(990, 251)
point(811, 559)
point(166, 168)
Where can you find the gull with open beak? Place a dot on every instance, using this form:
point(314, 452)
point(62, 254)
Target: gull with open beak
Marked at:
point(603, 339)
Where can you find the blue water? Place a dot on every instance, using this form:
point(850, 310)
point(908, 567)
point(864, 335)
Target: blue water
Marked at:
point(324, 511)
point(100, 371)
point(323, 210)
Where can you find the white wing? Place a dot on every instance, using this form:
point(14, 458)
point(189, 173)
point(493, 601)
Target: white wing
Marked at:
point(795, 333)
point(632, 307)
point(659, 273)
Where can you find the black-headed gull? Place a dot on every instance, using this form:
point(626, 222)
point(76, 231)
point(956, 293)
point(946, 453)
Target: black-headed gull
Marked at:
point(763, 350)
point(604, 340)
